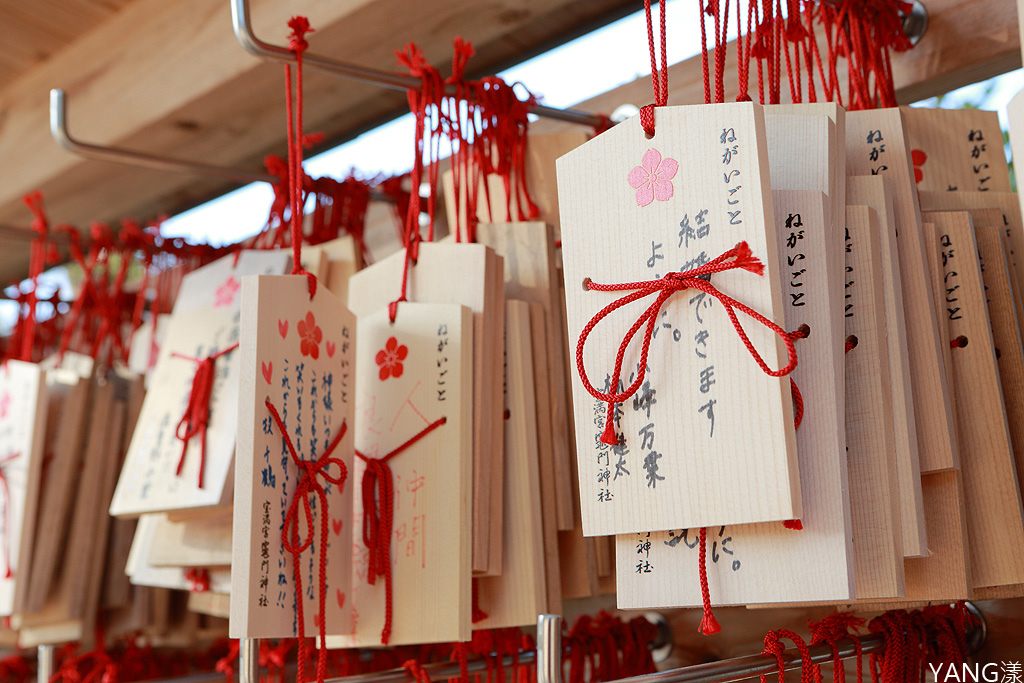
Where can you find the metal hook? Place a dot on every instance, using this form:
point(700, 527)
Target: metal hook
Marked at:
point(241, 22)
point(59, 131)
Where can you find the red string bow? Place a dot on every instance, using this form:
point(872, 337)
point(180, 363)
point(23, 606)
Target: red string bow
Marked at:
point(739, 257)
point(379, 517)
point(308, 483)
point(197, 412)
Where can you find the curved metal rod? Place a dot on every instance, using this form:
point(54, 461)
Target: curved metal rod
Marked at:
point(242, 24)
point(59, 131)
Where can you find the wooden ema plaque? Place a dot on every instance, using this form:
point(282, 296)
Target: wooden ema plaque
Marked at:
point(1002, 313)
point(542, 401)
point(876, 192)
point(746, 561)
point(870, 440)
point(297, 357)
point(956, 150)
point(23, 406)
point(876, 145)
point(68, 395)
point(198, 542)
point(430, 551)
point(807, 151)
point(142, 572)
point(517, 596)
point(528, 250)
point(995, 521)
point(468, 275)
point(205, 322)
point(705, 419)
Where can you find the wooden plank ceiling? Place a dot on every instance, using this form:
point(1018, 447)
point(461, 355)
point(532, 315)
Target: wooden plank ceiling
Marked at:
point(169, 78)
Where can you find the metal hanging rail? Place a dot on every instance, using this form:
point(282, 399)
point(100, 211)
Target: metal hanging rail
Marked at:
point(548, 658)
point(117, 155)
point(242, 24)
point(60, 134)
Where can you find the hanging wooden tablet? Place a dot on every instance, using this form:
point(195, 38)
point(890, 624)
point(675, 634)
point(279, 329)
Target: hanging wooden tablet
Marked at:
point(198, 542)
point(414, 379)
point(64, 616)
point(1007, 202)
point(23, 412)
point(125, 385)
point(816, 556)
point(529, 253)
point(343, 259)
point(956, 149)
point(142, 573)
point(1002, 313)
point(116, 589)
point(633, 210)
point(870, 441)
point(803, 155)
point(542, 400)
point(68, 395)
point(876, 192)
point(517, 596)
point(208, 602)
point(836, 157)
point(468, 275)
point(296, 405)
point(876, 145)
point(181, 454)
point(994, 515)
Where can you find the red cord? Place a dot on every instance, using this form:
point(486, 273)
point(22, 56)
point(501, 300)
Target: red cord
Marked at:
point(738, 257)
point(308, 484)
point(297, 44)
point(197, 411)
point(708, 624)
point(379, 516)
point(659, 79)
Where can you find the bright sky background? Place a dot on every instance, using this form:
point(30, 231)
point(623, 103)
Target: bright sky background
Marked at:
point(578, 70)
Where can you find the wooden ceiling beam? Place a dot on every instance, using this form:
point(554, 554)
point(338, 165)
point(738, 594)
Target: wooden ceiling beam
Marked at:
point(169, 78)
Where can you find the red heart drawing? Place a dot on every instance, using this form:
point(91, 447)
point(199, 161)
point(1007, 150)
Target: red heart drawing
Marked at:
point(330, 349)
point(282, 327)
point(341, 599)
point(337, 523)
point(268, 371)
point(316, 619)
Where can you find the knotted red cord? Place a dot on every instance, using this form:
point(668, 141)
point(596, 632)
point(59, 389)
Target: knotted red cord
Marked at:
point(198, 579)
point(429, 94)
point(309, 484)
point(708, 624)
point(830, 631)
point(37, 261)
point(226, 664)
point(197, 412)
point(379, 516)
point(659, 80)
point(416, 670)
point(478, 614)
point(773, 646)
point(739, 257)
point(296, 141)
point(8, 573)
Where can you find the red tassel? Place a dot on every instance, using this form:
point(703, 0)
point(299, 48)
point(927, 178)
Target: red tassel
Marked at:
point(746, 260)
point(709, 626)
point(609, 436)
point(794, 524)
